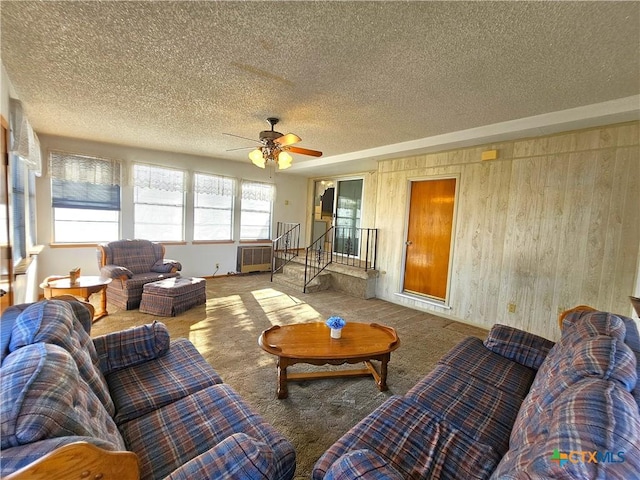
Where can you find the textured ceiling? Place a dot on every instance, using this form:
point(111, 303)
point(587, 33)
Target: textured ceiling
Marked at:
point(344, 76)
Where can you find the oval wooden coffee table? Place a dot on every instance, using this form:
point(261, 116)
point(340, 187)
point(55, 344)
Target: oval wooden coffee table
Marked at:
point(312, 343)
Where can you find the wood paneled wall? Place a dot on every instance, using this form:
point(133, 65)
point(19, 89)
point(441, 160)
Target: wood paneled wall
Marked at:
point(553, 222)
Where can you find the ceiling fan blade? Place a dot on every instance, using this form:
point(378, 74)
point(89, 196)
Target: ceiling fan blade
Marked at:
point(239, 136)
point(239, 148)
point(288, 139)
point(305, 151)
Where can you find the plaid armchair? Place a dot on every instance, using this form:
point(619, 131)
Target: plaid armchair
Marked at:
point(131, 264)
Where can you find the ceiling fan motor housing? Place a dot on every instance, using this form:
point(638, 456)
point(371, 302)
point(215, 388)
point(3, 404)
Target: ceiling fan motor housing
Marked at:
point(269, 135)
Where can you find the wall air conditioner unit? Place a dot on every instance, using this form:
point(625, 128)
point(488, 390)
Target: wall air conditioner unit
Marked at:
point(254, 259)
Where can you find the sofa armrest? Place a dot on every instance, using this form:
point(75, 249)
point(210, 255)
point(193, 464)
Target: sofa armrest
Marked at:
point(236, 457)
point(116, 271)
point(166, 266)
point(362, 465)
point(523, 347)
point(74, 460)
point(130, 347)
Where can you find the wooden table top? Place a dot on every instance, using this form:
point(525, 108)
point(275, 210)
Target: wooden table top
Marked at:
point(313, 340)
point(84, 281)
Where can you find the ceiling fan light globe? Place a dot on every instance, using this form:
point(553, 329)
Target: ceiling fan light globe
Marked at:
point(284, 160)
point(257, 158)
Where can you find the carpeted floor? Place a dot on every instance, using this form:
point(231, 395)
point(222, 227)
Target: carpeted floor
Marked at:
point(316, 413)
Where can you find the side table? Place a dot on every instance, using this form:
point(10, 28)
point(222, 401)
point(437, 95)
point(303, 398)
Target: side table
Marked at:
point(84, 287)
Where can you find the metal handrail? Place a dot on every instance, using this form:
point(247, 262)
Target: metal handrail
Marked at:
point(355, 247)
point(285, 246)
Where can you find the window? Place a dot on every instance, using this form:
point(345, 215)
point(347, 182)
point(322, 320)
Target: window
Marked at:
point(213, 207)
point(85, 194)
point(18, 209)
point(158, 198)
point(255, 213)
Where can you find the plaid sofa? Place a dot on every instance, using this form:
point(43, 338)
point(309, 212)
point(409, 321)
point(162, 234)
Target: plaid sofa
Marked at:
point(515, 406)
point(132, 264)
point(135, 390)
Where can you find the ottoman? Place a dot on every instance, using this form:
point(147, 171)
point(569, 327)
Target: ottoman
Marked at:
point(172, 296)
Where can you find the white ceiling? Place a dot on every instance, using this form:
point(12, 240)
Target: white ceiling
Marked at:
point(358, 80)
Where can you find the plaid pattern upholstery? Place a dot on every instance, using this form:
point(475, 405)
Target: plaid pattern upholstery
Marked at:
point(237, 457)
point(43, 396)
point(594, 415)
point(362, 464)
point(143, 259)
point(523, 347)
point(173, 296)
point(196, 424)
point(485, 413)
point(136, 255)
point(147, 386)
point(417, 443)
point(585, 352)
point(128, 293)
point(129, 347)
point(472, 358)
point(55, 322)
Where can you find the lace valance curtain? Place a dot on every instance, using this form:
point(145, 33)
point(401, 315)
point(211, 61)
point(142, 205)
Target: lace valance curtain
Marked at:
point(84, 169)
point(157, 178)
point(214, 185)
point(257, 191)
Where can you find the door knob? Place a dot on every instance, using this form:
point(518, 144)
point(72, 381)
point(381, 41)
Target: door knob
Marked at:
point(408, 242)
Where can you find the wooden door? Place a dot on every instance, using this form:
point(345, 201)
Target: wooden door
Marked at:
point(429, 233)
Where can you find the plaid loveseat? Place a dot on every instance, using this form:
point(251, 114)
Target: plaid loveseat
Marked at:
point(131, 264)
point(135, 390)
point(515, 406)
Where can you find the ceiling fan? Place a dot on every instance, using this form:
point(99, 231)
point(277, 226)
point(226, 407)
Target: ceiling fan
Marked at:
point(275, 147)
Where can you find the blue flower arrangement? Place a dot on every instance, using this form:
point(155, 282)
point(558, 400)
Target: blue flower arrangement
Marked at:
point(336, 322)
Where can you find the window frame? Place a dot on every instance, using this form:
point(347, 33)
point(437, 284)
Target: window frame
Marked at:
point(171, 188)
point(231, 209)
point(243, 210)
point(114, 169)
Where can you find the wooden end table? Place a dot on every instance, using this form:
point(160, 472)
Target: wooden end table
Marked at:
point(84, 287)
point(312, 343)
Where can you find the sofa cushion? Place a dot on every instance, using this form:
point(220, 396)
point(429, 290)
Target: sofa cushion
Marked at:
point(362, 465)
point(587, 354)
point(130, 347)
point(137, 255)
point(472, 358)
point(523, 347)
point(485, 413)
point(144, 387)
point(593, 420)
point(170, 436)
point(44, 396)
point(416, 442)
point(238, 457)
point(55, 322)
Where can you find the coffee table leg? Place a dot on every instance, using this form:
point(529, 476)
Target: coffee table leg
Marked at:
point(283, 392)
point(103, 304)
point(382, 385)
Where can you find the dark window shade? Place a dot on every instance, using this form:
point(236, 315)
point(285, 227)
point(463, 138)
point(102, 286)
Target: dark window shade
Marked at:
point(67, 194)
point(18, 213)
